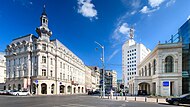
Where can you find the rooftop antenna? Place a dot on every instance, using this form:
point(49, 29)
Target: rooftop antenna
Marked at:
point(131, 33)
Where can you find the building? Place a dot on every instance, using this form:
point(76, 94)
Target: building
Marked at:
point(119, 83)
point(132, 54)
point(43, 66)
point(95, 76)
point(88, 79)
point(160, 73)
point(184, 32)
point(110, 80)
point(2, 68)
point(2, 71)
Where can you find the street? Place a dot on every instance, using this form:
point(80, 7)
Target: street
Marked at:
point(70, 101)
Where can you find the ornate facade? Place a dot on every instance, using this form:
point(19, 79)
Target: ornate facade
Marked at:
point(160, 73)
point(43, 66)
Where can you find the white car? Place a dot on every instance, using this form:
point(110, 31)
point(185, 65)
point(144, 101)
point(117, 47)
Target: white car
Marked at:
point(17, 93)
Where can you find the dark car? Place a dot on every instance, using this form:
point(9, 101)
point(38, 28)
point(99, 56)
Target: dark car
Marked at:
point(183, 99)
point(142, 92)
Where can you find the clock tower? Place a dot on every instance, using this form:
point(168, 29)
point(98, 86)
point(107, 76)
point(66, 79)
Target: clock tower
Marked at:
point(43, 31)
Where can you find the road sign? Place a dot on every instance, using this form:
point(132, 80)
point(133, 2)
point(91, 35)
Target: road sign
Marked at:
point(166, 83)
point(36, 81)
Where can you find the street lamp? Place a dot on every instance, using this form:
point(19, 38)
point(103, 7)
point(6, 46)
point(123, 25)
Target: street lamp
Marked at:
point(102, 59)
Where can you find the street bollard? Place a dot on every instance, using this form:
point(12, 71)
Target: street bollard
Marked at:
point(157, 100)
point(116, 97)
point(145, 99)
point(125, 98)
point(135, 98)
point(108, 96)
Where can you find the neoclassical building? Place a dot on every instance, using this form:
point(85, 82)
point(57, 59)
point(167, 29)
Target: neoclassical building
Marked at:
point(43, 66)
point(160, 73)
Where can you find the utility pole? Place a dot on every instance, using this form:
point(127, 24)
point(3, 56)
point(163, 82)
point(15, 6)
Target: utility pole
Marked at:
point(103, 76)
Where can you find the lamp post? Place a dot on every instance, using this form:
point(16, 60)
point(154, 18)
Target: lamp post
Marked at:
point(102, 59)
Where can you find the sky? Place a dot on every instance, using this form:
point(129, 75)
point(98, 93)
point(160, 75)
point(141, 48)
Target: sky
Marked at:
point(79, 23)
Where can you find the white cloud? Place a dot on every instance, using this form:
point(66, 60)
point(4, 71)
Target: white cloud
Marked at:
point(124, 29)
point(145, 10)
point(188, 17)
point(170, 3)
point(113, 54)
point(155, 3)
point(133, 12)
point(120, 34)
point(86, 8)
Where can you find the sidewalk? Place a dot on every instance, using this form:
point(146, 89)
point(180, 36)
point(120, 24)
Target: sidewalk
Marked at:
point(137, 98)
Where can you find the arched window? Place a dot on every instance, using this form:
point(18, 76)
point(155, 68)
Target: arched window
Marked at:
point(169, 64)
point(142, 72)
point(149, 69)
point(154, 67)
point(145, 71)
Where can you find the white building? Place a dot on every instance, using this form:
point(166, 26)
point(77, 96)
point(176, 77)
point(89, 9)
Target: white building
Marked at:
point(42, 65)
point(2, 68)
point(132, 54)
point(160, 73)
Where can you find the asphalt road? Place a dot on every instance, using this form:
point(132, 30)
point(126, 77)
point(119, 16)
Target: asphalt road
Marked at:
point(69, 101)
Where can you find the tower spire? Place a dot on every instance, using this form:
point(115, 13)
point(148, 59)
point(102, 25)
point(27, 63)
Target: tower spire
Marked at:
point(43, 30)
point(44, 10)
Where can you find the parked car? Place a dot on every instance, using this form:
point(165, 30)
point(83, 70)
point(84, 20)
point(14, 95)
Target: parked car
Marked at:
point(142, 92)
point(183, 99)
point(17, 93)
point(5, 92)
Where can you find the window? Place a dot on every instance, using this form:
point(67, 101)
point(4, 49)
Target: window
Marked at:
point(43, 72)
point(154, 67)
point(169, 64)
point(51, 61)
point(14, 73)
point(63, 65)
point(24, 59)
point(19, 61)
point(51, 49)
point(60, 64)
point(35, 46)
point(61, 76)
point(44, 47)
point(25, 48)
point(9, 63)
point(35, 59)
point(145, 71)
point(142, 72)
point(19, 75)
point(51, 73)
point(149, 69)
point(43, 59)
point(14, 61)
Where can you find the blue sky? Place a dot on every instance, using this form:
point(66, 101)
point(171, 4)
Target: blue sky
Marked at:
point(78, 23)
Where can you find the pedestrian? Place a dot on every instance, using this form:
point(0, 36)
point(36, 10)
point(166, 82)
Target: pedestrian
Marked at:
point(111, 94)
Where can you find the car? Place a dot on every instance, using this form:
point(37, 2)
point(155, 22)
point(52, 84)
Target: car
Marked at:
point(142, 92)
point(17, 93)
point(183, 99)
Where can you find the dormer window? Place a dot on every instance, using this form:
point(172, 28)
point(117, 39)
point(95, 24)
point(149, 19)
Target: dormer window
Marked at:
point(44, 47)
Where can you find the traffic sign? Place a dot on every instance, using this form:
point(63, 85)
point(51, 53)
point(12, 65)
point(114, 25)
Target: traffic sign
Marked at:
point(36, 81)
